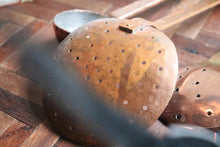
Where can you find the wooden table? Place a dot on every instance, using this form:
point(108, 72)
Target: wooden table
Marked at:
point(22, 118)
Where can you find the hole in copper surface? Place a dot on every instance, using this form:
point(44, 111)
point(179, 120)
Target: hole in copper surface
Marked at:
point(123, 51)
point(159, 51)
point(186, 68)
point(138, 45)
point(152, 37)
point(86, 66)
point(209, 113)
point(71, 38)
point(160, 68)
point(110, 71)
point(106, 22)
point(180, 77)
point(198, 95)
point(88, 77)
point(97, 70)
point(203, 69)
point(177, 89)
point(77, 58)
point(143, 62)
point(107, 58)
point(196, 82)
point(178, 117)
point(95, 58)
point(106, 31)
point(91, 45)
point(100, 80)
point(69, 50)
point(157, 87)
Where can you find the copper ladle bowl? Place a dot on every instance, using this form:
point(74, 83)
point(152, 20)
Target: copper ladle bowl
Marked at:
point(68, 21)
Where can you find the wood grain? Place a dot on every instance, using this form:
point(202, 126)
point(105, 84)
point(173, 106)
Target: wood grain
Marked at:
point(37, 11)
point(7, 31)
point(158, 11)
point(190, 28)
point(210, 39)
point(97, 6)
point(54, 5)
point(213, 23)
point(65, 143)
point(15, 134)
point(186, 58)
point(20, 86)
point(16, 43)
point(193, 46)
point(21, 109)
point(15, 17)
point(134, 8)
point(5, 121)
point(43, 136)
point(186, 12)
point(118, 3)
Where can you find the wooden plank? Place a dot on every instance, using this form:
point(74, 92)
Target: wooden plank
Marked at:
point(34, 10)
point(118, 3)
point(213, 23)
point(193, 46)
point(134, 8)
point(210, 39)
point(20, 86)
point(15, 17)
point(21, 109)
point(191, 9)
point(158, 11)
point(186, 58)
point(192, 27)
point(5, 121)
point(43, 136)
point(54, 5)
point(7, 31)
point(94, 5)
point(16, 43)
point(15, 135)
point(65, 143)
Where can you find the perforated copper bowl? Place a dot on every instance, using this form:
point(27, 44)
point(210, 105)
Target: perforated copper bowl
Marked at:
point(130, 63)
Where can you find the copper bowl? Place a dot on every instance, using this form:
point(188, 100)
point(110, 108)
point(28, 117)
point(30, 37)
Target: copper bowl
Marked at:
point(68, 21)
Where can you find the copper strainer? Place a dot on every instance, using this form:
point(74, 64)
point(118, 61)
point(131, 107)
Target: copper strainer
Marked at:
point(131, 63)
point(196, 99)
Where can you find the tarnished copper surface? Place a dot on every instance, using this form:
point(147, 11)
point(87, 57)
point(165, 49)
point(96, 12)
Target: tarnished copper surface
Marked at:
point(135, 71)
point(196, 99)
